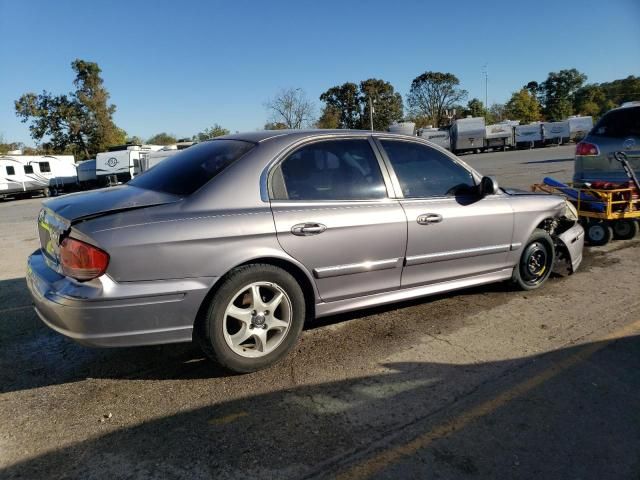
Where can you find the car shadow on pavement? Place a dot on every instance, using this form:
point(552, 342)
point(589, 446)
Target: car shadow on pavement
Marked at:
point(553, 160)
point(570, 413)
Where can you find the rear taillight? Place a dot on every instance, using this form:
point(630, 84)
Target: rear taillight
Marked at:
point(82, 261)
point(587, 149)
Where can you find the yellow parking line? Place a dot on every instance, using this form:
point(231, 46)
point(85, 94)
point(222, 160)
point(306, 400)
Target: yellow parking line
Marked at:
point(392, 455)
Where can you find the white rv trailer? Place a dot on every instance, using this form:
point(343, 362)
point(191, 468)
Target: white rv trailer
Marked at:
point(555, 132)
point(120, 164)
point(467, 134)
point(439, 136)
point(499, 135)
point(87, 174)
point(403, 128)
point(579, 127)
point(151, 159)
point(50, 174)
point(528, 136)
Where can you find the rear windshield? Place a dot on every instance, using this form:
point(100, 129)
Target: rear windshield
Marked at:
point(187, 171)
point(619, 124)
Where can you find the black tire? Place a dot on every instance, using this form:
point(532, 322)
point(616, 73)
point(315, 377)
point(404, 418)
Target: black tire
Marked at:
point(211, 335)
point(536, 262)
point(598, 233)
point(624, 229)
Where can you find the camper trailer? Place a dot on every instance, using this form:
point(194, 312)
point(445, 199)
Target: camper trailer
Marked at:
point(121, 163)
point(403, 128)
point(579, 127)
point(555, 132)
point(27, 174)
point(468, 134)
point(151, 159)
point(499, 135)
point(439, 136)
point(528, 136)
point(87, 178)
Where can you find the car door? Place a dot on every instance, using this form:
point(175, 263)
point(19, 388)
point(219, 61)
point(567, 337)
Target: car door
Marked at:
point(333, 213)
point(452, 231)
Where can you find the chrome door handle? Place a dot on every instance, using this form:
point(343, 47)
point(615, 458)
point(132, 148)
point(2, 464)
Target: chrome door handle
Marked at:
point(427, 218)
point(306, 229)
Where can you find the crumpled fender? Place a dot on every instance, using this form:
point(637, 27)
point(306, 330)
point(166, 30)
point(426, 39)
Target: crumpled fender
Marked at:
point(569, 245)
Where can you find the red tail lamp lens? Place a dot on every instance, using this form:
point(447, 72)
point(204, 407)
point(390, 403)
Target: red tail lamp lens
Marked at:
point(587, 149)
point(82, 261)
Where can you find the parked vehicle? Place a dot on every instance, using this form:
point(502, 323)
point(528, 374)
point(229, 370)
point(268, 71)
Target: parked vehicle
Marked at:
point(439, 136)
point(87, 177)
point(617, 130)
point(579, 127)
point(121, 163)
point(403, 128)
point(528, 136)
point(555, 132)
point(237, 241)
point(28, 174)
point(468, 134)
point(499, 136)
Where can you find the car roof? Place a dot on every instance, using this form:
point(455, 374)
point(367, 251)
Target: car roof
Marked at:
point(265, 135)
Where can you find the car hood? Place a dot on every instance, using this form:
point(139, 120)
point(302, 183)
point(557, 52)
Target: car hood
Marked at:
point(84, 205)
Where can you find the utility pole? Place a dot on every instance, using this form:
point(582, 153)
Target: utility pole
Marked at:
point(486, 90)
point(371, 112)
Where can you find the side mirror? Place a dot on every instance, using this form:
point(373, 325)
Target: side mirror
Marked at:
point(488, 186)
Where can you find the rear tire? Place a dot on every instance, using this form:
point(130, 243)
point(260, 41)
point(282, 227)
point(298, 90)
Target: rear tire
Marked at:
point(624, 229)
point(536, 261)
point(246, 327)
point(598, 233)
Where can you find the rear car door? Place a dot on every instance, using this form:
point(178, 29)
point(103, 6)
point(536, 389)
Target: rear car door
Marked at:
point(452, 231)
point(333, 213)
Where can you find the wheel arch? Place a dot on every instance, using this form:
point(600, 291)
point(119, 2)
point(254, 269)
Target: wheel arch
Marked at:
point(297, 271)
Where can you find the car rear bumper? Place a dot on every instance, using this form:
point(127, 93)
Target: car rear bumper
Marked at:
point(104, 313)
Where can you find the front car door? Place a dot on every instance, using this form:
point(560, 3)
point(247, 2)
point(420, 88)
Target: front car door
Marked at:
point(333, 213)
point(453, 233)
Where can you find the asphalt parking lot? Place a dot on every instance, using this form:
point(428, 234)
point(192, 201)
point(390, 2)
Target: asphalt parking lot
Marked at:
point(484, 383)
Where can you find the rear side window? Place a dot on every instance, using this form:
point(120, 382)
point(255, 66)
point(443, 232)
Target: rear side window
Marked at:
point(11, 171)
point(45, 167)
point(187, 171)
point(619, 124)
point(425, 172)
point(28, 169)
point(330, 170)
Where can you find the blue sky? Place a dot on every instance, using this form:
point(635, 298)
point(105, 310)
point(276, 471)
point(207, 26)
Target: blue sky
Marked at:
point(182, 66)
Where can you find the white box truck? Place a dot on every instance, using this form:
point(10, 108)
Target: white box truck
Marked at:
point(467, 134)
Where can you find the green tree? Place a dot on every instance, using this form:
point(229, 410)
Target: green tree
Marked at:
point(432, 94)
point(475, 108)
point(162, 139)
point(134, 140)
point(80, 122)
point(590, 100)
point(386, 103)
point(275, 126)
point(211, 132)
point(558, 92)
point(497, 113)
point(523, 106)
point(330, 118)
point(344, 99)
point(348, 105)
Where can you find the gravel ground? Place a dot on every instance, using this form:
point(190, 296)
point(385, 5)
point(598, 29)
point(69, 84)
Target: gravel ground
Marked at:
point(485, 383)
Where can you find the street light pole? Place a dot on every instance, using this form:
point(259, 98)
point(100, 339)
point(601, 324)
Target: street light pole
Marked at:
point(371, 112)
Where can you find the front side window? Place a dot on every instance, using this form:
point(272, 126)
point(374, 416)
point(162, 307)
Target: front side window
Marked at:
point(45, 167)
point(28, 169)
point(330, 170)
point(11, 171)
point(185, 172)
point(425, 172)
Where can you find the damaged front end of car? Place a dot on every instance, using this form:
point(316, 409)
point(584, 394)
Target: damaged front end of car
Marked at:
point(568, 238)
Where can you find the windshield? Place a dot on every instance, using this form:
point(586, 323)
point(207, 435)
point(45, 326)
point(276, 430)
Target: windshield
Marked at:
point(621, 123)
point(187, 171)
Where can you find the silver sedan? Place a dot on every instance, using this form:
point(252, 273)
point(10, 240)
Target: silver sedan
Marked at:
point(235, 242)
